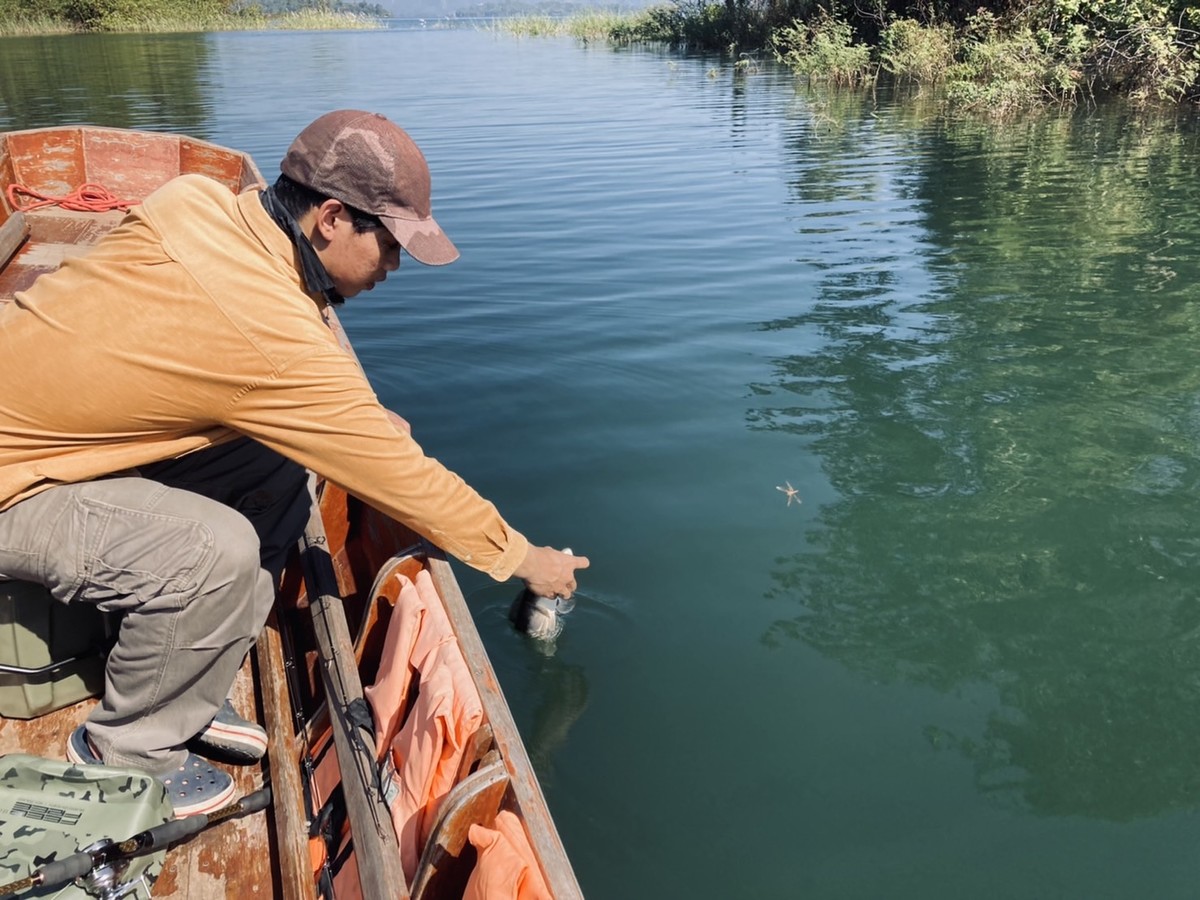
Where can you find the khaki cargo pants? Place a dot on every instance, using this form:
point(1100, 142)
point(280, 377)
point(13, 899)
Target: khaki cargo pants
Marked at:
point(190, 551)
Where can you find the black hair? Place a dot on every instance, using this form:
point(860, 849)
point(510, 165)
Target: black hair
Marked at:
point(298, 199)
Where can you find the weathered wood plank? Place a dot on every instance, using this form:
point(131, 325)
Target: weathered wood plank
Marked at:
point(232, 858)
point(291, 824)
point(474, 800)
point(13, 233)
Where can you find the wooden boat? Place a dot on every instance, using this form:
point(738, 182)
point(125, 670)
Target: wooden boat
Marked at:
point(326, 636)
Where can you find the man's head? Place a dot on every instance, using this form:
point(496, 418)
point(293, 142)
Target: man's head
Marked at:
point(370, 166)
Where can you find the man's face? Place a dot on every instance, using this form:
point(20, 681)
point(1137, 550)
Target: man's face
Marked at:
point(356, 260)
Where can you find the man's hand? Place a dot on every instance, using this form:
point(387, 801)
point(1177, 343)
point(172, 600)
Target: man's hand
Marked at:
point(549, 572)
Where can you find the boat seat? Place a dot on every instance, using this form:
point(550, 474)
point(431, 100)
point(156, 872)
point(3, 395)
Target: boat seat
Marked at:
point(442, 871)
point(51, 654)
point(477, 748)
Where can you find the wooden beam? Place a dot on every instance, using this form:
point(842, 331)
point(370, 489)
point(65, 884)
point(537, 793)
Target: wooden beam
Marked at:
point(13, 233)
point(291, 822)
point(376, 851)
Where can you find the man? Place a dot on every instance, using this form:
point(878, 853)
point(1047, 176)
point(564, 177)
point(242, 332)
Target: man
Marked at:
point(166, 393)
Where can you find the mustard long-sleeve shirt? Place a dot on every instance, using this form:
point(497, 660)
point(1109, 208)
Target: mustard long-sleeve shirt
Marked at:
point(189, 324)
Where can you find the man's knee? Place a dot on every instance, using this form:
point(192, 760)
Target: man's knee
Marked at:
point(235, 557)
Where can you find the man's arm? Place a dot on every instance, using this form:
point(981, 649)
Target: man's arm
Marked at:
point(545, 571)
point(321, 412)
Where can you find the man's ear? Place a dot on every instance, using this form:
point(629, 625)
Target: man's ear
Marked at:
point(327, 217)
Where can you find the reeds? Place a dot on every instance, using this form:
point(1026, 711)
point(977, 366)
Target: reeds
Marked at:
point(197, 19)
point(25, 26)
point(586, 25)
point(317, 19)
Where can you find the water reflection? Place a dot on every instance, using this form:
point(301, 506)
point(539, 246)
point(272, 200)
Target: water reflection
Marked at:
point(1010, 419)
point(129, 81)
point(564, 699)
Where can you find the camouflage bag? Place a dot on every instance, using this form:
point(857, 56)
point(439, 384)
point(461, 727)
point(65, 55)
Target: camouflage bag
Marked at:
point(50, 810)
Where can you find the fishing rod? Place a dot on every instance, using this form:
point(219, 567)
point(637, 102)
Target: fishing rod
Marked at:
point(101, 864)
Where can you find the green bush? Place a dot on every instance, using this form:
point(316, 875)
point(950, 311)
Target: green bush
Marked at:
point(1146, 48)
point(19, 17)
point(1003, 72)
point(729, 26)
point(119, 15)
point(1150, 60)
point(909, 49)
point(824, 49)
point(99, 13)
point(1000, 55)
point(655, 24)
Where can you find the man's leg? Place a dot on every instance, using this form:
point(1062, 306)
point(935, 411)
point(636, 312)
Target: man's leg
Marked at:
point(272, 493)
point(184, 568)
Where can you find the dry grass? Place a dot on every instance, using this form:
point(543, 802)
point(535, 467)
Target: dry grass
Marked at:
point(304, 20)
point(31, 26)
point(323, 20)
point(586, 26)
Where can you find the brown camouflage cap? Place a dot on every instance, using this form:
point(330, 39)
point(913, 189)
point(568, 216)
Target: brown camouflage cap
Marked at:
point(363, 159)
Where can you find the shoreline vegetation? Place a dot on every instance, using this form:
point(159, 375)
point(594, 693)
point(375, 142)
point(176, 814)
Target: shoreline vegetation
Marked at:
point(36, 17)
point(993, 57)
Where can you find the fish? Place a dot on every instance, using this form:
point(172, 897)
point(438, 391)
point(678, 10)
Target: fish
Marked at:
point(537, 616)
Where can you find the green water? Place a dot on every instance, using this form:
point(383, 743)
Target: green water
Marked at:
point(965, 664)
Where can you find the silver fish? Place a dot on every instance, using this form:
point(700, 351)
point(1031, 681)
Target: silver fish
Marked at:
point(540, 617)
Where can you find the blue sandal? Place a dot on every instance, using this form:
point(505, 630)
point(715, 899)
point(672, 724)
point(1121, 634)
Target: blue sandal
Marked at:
point(230, 738)
point(80, 750)
point(195, 787)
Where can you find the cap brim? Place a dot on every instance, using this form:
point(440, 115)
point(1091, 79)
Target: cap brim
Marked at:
point(422, 239)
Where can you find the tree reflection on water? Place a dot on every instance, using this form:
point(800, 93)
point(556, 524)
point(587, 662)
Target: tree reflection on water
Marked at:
point(1010, 421)
point(154, 81)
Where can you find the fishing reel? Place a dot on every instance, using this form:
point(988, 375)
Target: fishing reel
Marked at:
point(106, 878)
point(93, 800)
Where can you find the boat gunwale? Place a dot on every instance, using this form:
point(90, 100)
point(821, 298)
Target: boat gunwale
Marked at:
point(189, 149)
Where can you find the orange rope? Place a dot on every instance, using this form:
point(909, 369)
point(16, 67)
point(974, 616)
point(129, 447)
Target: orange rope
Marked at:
point(85, 198)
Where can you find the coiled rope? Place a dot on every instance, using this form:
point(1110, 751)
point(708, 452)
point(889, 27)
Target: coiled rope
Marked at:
point(85, 198)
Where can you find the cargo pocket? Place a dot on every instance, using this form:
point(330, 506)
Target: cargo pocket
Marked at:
point(118, 557)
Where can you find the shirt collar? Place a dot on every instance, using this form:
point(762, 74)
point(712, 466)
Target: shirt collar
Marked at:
point(316, 277)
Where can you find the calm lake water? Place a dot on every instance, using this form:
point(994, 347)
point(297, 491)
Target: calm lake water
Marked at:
point(965, 663)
